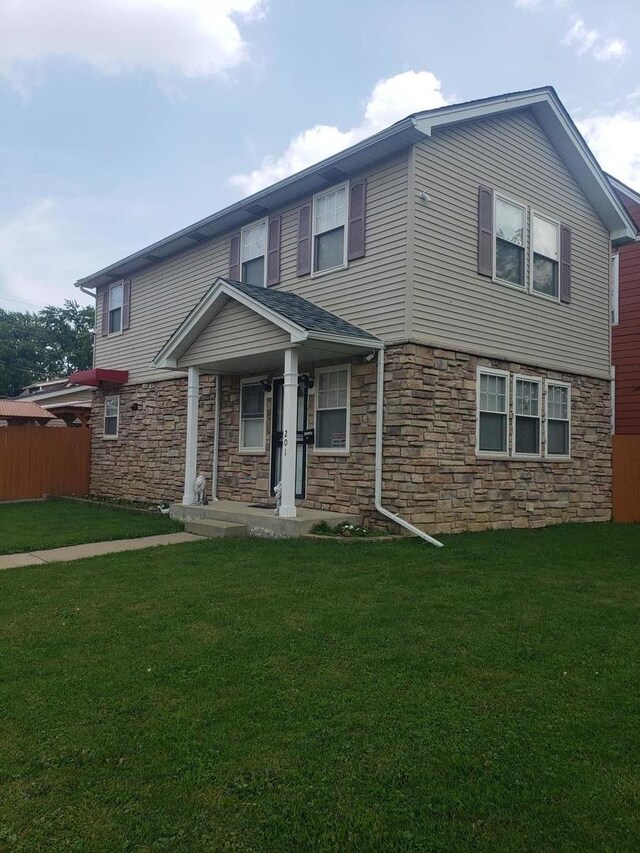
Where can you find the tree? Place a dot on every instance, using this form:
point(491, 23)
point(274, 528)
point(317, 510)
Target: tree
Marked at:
point(45, 345)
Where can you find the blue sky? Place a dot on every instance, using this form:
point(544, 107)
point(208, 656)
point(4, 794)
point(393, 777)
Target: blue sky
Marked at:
point(124, 120)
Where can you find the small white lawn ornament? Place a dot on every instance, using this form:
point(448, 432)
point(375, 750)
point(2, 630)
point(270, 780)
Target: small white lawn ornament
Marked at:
point(201, 488)
point(278, 493)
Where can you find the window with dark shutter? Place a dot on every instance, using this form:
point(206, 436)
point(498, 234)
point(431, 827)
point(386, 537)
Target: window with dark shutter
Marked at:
point(234, 257)
point(303, 266)
point(357, 219)
point(485, 231)
point(273, 252)
point(126, 304)
point(565, 264)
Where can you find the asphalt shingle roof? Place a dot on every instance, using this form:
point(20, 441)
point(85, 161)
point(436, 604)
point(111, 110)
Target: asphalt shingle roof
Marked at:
point(301, 311)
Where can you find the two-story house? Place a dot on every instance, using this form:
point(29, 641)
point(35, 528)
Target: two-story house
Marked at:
point(418, 325)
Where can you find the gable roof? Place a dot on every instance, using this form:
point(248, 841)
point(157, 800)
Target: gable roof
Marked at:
point(302, 319)
point(544, 102)
point(24, 411)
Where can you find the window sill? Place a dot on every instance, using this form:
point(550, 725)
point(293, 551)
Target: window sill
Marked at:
point(546, 296)
point(320, 273)
point(486, 454)
point(115, 334)
point(329, 451)
point(553, 458)
point(110, 437)
point(519, 288)
point(531, 457)
point(251, 451)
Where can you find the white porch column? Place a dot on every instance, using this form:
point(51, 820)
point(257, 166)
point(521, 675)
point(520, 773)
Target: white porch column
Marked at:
point(191, 456)
point(289, 429)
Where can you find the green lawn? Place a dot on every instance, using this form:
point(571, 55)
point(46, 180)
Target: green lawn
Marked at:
point(52, 524)
point(252, 695)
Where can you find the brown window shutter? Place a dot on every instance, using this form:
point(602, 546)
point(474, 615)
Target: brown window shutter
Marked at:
point(565, 264)
point(105, 311)
point(273, 251)
point(357, 219)
point(304, 240)
point(485, 231)
point(126, 303)
point(234, 257)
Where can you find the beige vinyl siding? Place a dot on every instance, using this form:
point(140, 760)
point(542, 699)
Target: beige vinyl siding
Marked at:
point(237, 330)
point(453, 305)
point(370, 292)
point(161, 297)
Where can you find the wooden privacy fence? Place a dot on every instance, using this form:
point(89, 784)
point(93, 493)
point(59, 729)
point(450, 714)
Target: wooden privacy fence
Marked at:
point(38, 460)
point(626, 478)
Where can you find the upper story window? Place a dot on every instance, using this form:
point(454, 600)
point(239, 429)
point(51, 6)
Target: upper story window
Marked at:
point(546, 256)
point(115, 308)
point(522, 248)
point(615, 290)
point(510, 238)
point(329, 229)
point(252, 420)
point(253, 250)
point(111, 417)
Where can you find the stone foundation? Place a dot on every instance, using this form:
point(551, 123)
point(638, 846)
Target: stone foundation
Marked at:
point(431, 474)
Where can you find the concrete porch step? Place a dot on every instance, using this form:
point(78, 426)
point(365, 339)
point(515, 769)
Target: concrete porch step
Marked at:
point(215, 529)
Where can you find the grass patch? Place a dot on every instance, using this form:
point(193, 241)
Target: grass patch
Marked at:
point(52, 524)
point(258, 695)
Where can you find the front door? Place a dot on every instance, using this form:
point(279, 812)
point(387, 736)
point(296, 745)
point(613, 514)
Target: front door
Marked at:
point(302, 437)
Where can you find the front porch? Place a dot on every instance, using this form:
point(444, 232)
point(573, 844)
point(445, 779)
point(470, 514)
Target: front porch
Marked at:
point(258, 521)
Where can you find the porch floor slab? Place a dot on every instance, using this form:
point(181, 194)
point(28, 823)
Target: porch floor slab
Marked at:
point(261, 522)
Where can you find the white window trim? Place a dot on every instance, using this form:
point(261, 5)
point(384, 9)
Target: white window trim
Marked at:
point(497, 194)
point(538, 381)
point(315, 273)
point(252, 451)
point(264, 222)
point(556, 457)
point(552, 221)
point(492, 454)
point(332, 451)
point(111, 287)
point(104, 418)
point(615, 289)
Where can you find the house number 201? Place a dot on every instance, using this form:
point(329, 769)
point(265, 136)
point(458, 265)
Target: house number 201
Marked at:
point(285, 442)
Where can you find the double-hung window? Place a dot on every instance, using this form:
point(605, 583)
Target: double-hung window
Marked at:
point(527, 412)
point(253, 247)
point(329, 227)
point(558, 419)
point(116, 292)
point(111, 416)
point(546, 256)
point(252, 415)
point(511, 222)
point(493, 416)
point(332, 409)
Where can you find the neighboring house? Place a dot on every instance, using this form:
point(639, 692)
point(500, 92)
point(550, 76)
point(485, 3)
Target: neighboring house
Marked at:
point(19, 413)
point(71, 404)
point(625, 322)
point(426, 312)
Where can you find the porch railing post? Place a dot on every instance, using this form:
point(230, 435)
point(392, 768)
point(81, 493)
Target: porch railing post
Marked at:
point(289, 430)
point(191, 455)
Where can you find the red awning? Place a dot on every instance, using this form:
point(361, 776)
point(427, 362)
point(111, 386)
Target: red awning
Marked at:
point(98, 376)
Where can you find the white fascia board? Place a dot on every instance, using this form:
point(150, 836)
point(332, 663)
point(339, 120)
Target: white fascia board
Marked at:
point(210, 305)
point(465, 112)
point(365, 343)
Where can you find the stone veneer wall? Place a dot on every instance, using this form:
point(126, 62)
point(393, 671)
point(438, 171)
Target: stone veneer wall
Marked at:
point(431, 473)
point(146, 461)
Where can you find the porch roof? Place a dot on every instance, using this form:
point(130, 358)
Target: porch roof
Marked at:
point(301, 323)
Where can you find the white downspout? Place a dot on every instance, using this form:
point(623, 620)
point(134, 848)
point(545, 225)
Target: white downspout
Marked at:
point(216, 442)
point(378, 471)
point(191, 450)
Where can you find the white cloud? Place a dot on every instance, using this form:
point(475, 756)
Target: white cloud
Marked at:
point(588, 40)
point(391, 99)
point(44, 247)
point(527, 4)
point(615, 140)
point(192, 38)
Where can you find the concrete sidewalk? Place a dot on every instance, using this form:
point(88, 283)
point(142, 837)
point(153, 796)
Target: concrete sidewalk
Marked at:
point(93, 549)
